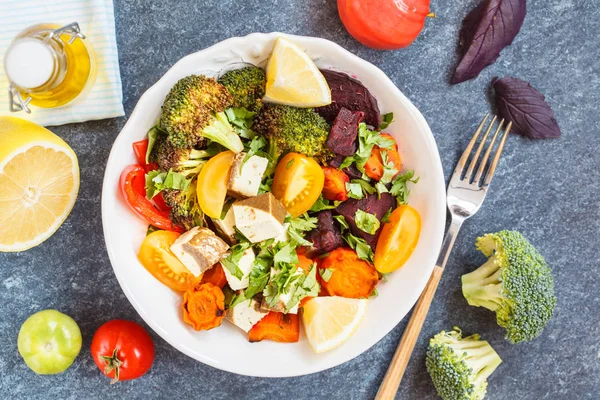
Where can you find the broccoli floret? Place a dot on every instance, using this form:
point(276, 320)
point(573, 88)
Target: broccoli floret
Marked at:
point(247, 86)
point(515, 282)
point(193, 110)
point(459, 367)
point(188, 162)
point(185, 210)
point(300, 130)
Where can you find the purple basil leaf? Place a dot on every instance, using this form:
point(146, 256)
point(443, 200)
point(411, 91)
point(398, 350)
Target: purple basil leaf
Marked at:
point(526, 107)
point(486, 30)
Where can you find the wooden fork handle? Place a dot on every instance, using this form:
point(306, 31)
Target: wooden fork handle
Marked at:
point(391, 381)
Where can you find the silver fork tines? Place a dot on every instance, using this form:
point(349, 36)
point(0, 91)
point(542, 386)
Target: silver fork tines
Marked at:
point(473, 173)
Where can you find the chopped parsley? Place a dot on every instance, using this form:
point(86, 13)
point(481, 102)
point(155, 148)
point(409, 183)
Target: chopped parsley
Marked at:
point(241, 119)
point(323, 204)
point(386, 216)
point(152, 136)
point(362, 248)
point(157, 181)
point(297, 227)
point(387, 120)
point(399, 187)
point(359, 188)
point(342, 221)
point(326, 274)
point(232, 261)
point(366, 222)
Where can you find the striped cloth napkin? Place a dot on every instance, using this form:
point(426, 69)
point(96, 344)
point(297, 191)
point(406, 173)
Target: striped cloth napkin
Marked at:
point(97, 22)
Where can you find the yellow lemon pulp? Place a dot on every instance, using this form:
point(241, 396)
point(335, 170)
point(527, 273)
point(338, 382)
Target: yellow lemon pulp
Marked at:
point(330, 321)
point(39, 181)
point(294, 79)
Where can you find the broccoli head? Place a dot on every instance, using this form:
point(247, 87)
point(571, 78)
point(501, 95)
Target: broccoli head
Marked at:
point(185, 161)
point(193, 110)
point(300, 130)
point(459, 367)
point(185, 210)
point(515, 282)
point(247, 86)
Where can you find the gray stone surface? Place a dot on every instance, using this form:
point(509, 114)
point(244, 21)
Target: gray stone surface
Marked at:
point(546, 189)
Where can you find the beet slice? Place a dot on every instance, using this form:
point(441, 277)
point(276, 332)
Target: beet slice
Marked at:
point(326, 236)
point(349, 93)
point(371, 204)
point(343, 136)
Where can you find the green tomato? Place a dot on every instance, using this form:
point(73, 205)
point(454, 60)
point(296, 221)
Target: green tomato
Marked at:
point(49, 341)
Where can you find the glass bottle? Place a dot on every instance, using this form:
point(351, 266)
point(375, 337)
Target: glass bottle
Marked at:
point(49, 66)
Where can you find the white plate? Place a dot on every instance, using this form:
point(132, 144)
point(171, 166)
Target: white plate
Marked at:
point(227, 347)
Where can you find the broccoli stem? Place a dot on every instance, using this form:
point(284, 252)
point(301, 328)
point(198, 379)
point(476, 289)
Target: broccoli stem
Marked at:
point(482, 287)
point(222, 132)
point(479, 356)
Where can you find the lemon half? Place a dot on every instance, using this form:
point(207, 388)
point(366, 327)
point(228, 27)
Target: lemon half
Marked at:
point(330, 321)
point(39, 182)
point(293, 78)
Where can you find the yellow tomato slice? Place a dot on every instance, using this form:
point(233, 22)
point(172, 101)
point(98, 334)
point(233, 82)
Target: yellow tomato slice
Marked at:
point(398, 239)
point(297, 183)
point(156, 256)
point(212, 183)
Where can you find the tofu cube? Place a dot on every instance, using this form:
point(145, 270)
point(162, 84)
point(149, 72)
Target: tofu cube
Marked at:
point(246, 314)
point(226, 226)
point(284, 298)
point(284, 237)
point(260, 218)
point(246, 264)
point(199, 249)
point(245, 177)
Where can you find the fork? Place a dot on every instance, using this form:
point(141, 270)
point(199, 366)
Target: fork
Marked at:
point(466, 191)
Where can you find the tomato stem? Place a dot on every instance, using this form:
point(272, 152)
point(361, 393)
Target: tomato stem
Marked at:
point(431, 15)
point(112, 363)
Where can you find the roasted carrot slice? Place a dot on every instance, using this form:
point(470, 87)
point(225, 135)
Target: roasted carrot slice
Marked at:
point(349, 276)
point(203, 306)
point(374, 165)
point(334, 187)
point(276, 326)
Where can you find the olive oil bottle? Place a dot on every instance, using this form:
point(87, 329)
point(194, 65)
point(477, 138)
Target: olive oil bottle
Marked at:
point(49, 66)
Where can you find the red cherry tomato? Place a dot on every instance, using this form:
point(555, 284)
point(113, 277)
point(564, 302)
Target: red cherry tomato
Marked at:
point(123, 350)
point(132, 185)
point(384, 24)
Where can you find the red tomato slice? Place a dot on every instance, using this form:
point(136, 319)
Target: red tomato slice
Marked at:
point(132, 185)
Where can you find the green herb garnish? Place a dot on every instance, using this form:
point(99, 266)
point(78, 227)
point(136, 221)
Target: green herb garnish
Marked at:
point(366, 222)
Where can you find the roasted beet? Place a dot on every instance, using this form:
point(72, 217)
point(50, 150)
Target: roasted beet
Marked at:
point(326, 236)
point(371, 204)
point(344, 132)
point(351, 171)
point(349, 93)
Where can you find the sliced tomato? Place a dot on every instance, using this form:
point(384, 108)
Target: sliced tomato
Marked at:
point(374, 165)
point(133, 188)
point(140, 148)
point(297, 183)
point(156, 256)
point(212, 183)
point(398, 239)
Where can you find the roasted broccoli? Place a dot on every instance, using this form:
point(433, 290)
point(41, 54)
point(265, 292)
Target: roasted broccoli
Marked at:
point(185, 210)
point(188, 162)
point(247, 86)
point(300, 130)
point(515, 282)
point(193, 110)
point(459, 367)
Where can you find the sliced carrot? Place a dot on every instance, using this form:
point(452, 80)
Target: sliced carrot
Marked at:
point(374, 165)
point(276, 326)
point(334, 187)
point(305, 263)
point(350, 276)
point(216, 276)
point(203, 306)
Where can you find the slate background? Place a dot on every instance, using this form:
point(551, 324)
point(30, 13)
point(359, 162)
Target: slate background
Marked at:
point(546, 189)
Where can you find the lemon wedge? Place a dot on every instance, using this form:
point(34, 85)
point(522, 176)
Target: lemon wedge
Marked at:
point(39, 181)
point(293, 78)
point(330, 321)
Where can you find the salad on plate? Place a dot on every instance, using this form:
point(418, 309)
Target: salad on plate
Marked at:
point(274, 199)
